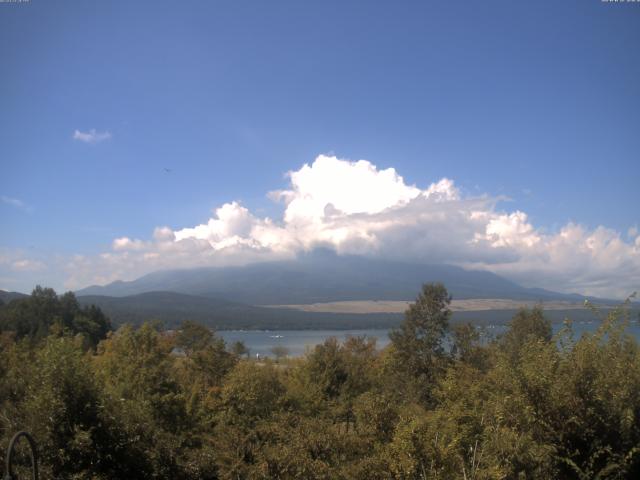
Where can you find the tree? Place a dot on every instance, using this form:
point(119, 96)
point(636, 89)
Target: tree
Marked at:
point(193, 337)
point(326, 369)
point(43, 312)
point(63, 410)
point(526, 325)
point(203, 368)
point(206, 353)
point(418, 341)
point(467, 346)
point(280, 352)
point(136, 370)
point(32, 316)
point(91, 323)
point(239, 349)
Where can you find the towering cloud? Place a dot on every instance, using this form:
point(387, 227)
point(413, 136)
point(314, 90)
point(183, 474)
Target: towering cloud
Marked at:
point(356, 208)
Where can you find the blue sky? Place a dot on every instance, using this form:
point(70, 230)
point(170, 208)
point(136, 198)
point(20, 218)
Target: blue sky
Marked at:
point(535, 101)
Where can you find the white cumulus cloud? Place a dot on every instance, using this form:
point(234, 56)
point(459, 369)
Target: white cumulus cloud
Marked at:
point(125, 243)
point(356, 208)
point(92, 136)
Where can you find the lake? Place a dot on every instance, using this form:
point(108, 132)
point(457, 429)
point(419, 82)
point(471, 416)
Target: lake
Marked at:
point(298, 341)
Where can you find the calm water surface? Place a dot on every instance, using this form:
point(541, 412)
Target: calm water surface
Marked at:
point(297, 342)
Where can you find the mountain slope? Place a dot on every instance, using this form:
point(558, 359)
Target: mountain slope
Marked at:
point(324, 277)
point(173, 308)
point(6, 297)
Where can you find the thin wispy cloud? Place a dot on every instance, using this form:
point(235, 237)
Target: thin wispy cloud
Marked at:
point(92, 136)
point(16, 203)
point(28, 265)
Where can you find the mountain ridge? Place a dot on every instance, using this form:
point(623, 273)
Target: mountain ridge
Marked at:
point(325, 278)
point(6, 296)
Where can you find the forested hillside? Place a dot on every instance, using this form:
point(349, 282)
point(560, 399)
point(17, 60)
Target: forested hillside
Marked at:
point(172, 309)
point(147, 403)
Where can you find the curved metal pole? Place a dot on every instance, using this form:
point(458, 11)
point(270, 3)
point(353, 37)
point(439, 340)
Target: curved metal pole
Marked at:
point(8, 468)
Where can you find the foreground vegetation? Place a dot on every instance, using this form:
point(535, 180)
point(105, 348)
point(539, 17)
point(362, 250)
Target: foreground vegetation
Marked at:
point(147, 403)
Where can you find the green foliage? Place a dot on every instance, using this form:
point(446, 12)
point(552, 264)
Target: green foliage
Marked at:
point(136, 370)
point(193, 337)
point(467, 347)
point(418, 342)
point(239, 349)
point(62, 404)
point(148, 403)
point(43, 312)
point(526, 325)
point(251, 395)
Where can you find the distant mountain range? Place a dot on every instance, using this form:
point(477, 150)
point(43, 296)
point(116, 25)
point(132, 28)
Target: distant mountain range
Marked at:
point(325, 277)
point(6, 297)
point(252, 296)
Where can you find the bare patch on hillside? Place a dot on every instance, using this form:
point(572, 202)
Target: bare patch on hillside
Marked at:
point(393, 306)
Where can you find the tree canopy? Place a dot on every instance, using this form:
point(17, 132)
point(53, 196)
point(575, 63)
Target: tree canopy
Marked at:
point(44, 312)
point(437, 403)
